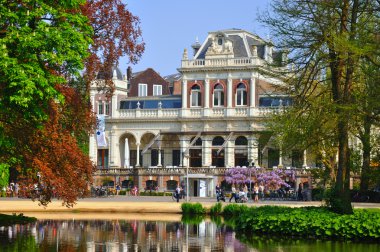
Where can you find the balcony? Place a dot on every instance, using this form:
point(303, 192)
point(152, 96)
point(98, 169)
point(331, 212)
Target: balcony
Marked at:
point(195, 113)
point(223, 62)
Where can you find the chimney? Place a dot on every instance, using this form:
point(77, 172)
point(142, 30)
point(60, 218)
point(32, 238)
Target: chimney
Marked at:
point(129, 73)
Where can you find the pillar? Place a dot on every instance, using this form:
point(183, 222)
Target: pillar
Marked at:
point(280, 159)
point(138, 154)
point(253, 149)
point(229, 150)
point(207, 94)
point(229, 91)
point(304, 159)
point(184, 93)
point(206, 151)
point(252, 92)
point(183, 145)
point(159, 156)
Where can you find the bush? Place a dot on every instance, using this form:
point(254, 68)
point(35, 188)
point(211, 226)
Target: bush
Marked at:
point(216, 209)
point(123, 192)
point(315, 222)
point(193, 209)
point(232, 210)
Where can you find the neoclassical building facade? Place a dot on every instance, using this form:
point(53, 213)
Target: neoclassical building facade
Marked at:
point(213, 118)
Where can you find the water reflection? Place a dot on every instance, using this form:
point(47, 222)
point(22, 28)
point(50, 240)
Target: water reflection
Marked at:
point(126, 234)
point(118, 235)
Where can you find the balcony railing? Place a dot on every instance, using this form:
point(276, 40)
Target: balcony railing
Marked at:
point(196, 112)
point(222, 62)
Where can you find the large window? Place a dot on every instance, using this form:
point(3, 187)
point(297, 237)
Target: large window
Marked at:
point(100, 108)
point(154, 157)
point(196, 153)
point(218, 95)
point(273, 157)
point(107, 108)
point(297, 158)
point(176, 157)
point(217, 159)
point(143, 89)
point(102, 158)
point(241, 151)
point(157, 90)
point(196, 96)
point(241, 95)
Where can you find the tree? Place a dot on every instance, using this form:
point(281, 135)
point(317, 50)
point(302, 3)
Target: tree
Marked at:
point(42, 42)
point(327, 40)
point(116, 34)
point(45, 112)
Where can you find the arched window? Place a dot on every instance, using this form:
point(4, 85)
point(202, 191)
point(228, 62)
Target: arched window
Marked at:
point(196, 96)
point(241, 151)
point(217, 159)
point(241, 140)
point(218, 95)
point(241, 95)
point(195, 153)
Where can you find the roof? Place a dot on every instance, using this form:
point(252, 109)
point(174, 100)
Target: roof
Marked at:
point(242, 43)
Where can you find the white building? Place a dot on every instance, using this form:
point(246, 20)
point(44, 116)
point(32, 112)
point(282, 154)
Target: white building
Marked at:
point(227, 90)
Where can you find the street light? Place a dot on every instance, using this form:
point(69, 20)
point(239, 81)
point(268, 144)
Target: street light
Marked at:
point(185, 155)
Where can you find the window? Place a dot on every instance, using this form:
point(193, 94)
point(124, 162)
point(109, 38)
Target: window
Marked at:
point(241, 95)
point(154, 157)
point(218, 95)
point(157, 90)
point(241, 151)
point(273, 157)
point(195, 96)
point(143, 90)
point(103, 158)
point(107, 108)
point(217, 159)
point(176, 157)
point(100, 108)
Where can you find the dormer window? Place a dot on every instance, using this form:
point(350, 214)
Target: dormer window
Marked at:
point(220, 41)
point(157, 90)
point(143, 90)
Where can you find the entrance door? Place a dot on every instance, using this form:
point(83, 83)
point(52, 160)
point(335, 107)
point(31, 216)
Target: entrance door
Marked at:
point(195, 188)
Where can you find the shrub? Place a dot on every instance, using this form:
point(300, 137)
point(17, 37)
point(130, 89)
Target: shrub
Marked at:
point(316, 222)
point(216, 209)
point(233, 210)
point(192, 209)
point(123, 192)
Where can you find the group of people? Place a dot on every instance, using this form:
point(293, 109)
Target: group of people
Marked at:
point(241, 195)
point(11, 190)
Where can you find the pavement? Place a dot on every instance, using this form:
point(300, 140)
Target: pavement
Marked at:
point(136, 204)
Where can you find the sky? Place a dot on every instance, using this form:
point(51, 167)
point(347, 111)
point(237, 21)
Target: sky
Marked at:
point(170, 26)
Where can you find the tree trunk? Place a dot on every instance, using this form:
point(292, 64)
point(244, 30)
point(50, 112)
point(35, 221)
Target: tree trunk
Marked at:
point(365, 138)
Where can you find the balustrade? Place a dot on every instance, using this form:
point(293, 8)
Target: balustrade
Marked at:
point(222, 62)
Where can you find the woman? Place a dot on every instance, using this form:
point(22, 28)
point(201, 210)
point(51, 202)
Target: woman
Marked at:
point(233, 194)
point(256, 192)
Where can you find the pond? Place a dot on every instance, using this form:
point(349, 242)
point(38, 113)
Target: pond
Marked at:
point(125, 232)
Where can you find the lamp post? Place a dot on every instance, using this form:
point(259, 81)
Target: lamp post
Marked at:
point(187, 174)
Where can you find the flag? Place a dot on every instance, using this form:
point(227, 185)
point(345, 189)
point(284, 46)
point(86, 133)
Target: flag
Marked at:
point(100, 134)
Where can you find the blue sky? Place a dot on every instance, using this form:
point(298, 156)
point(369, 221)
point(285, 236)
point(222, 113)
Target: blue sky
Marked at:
point(169, 26)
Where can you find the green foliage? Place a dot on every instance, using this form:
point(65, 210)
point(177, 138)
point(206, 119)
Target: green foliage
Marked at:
point(7, 220)
point(233, 210)
point(153, 193)
point(314, 222)
point(216, 209)
point(4, 175)
point(193, 209)
point(192, 219)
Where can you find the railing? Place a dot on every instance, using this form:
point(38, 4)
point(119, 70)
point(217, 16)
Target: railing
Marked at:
point(197, 112)
point(222, 62)
point(181, 171)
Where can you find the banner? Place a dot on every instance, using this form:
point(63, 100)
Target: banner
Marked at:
point(100, 134)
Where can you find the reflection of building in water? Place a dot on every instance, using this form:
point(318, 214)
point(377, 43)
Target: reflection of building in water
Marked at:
point(120, 235)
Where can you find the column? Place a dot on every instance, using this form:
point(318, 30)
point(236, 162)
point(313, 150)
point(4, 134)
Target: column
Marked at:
point(229, 151)
point(304, 159)
point(126, 153)
point(138, 154)
point(253, 149)
point(229, 91)
point(159, 156)
point(252, 92)
point(183, 145)
point(280, 159)
point(207, 93)
point(184, 93)
point(113, 106)
point(206, 151)
point(112, 149)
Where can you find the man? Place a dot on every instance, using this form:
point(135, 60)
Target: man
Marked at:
point(177, 193)
point(233, 194)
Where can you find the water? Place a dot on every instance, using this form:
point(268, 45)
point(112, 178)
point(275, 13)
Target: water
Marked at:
point(118, 232)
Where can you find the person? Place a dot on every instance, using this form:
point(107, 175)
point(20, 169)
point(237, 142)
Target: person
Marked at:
point(233, 194)
point(177, 193)
point(261, 190)
point(134, 191)
point(299, 194)
point(256, 192)
point(117, 189)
